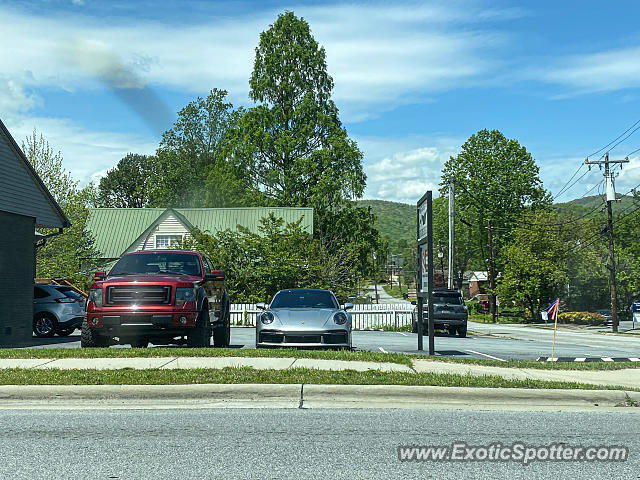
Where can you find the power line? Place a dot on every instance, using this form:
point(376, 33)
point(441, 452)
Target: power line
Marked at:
point(614, 140)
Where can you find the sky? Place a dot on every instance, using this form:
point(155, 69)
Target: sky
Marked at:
point(413, 80)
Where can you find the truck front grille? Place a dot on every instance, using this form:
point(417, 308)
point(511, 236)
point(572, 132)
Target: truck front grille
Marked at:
point(139, 295)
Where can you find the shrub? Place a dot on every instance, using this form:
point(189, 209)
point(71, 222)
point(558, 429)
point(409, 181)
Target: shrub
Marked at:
point(581, 318)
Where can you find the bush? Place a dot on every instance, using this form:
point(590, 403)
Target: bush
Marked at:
point(581, 318)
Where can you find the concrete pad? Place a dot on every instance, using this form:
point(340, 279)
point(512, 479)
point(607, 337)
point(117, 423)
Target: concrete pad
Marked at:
point(349, 365)
point(222, 362)
point(23, 362)
point(629, 378)
point(108, 363)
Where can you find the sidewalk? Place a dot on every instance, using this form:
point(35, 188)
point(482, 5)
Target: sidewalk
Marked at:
point(628, 378)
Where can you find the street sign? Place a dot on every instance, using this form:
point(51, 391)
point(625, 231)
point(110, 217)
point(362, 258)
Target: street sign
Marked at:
point(425, 268)
point(422, 220)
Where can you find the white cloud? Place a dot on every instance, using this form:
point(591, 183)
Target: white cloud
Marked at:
point(597, 72)
point(86, 154)
point(401, 175)
point(378, 54)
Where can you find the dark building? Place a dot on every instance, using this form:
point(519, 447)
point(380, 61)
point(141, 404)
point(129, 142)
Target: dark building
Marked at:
point(25, 204)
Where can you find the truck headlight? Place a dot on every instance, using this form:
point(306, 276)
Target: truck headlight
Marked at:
point(184, 295)
point(95, 296)
point(267, 318)
point(340, 318)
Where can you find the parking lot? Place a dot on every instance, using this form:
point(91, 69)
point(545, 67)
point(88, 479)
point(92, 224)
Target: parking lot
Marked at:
point(498, 342)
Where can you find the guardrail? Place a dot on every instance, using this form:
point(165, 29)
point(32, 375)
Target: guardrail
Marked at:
point(364, 317)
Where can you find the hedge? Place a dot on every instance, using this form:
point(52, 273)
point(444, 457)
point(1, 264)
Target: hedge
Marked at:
point(581, 318)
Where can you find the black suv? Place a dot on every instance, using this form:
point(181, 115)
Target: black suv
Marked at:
point(449, 313)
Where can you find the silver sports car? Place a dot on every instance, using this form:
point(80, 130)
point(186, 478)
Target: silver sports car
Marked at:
point(303, 317)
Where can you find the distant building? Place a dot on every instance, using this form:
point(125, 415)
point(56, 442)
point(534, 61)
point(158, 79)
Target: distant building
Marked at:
point(477, 283)
point(25, 203)
point(117, 231)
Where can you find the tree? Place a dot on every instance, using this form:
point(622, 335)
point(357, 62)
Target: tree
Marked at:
point(195, 151)
point(301, 154)
point(535, 270)
point(129, 184)
point(71, 254)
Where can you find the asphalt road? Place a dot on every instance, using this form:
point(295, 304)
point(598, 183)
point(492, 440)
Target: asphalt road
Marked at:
point(297, 443)
point(506, 342)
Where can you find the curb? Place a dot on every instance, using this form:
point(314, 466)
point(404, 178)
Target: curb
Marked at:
point(75, 397)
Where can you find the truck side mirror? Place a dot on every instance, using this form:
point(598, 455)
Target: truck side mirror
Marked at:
point(99, 275)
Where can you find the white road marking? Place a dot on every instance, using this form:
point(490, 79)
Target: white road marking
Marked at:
point(634, 359)
point(382, 350)
point(580, 359)
point(403, 334)
point(607, 359)
point(486, 355)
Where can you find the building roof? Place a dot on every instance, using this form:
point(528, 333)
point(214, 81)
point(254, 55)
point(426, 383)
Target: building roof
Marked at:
point(21, 189)
point(115, 230)
point(479, 277)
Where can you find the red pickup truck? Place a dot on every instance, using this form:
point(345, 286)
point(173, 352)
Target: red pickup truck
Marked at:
point(158, 296)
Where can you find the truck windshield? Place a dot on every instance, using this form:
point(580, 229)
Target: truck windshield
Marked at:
point(304, 299)
point(150, 263)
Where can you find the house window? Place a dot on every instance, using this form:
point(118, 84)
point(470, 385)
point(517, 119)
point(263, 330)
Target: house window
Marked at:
point(168, 241)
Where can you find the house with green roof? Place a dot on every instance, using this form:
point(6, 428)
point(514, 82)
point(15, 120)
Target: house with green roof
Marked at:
point(117, 231)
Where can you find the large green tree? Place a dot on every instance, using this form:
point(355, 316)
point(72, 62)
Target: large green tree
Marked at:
point(194, 163)
point(72, 254)
point(129, 184)
point(301, 153)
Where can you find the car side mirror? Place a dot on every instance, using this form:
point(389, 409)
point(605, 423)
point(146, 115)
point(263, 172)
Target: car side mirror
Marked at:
point(413, 302)
point(348, 306)
point(215, 275)
point(261, 306)
point(99, 275)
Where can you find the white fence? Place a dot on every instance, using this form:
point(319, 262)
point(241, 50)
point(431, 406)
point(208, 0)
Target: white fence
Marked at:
point(365, 316)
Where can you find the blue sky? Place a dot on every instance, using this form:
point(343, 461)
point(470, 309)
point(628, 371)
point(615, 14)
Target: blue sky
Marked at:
point(413, 80)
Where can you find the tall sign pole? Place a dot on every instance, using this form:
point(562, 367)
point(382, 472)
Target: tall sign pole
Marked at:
point(451, 233)
point(425, 269)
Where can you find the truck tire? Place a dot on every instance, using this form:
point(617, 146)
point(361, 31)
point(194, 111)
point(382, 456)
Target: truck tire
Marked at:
point(200, 335)
point(222, 336)
point(462, 331)
point(90, 338)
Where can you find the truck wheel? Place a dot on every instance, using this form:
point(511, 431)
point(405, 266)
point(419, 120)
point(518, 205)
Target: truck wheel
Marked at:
point(200, 335)
point(462, 331)
point(90, 338)
point(222, 336)
point(452, 331)
point(44, 325)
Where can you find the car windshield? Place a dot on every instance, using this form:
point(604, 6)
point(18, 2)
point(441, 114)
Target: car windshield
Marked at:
point(150, 263)
point(449, 299)
point(304, 299)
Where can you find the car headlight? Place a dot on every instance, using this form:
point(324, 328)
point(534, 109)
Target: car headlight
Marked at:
point(267, 318)
point(95, 296)
point(340, 318)
point(184, 295)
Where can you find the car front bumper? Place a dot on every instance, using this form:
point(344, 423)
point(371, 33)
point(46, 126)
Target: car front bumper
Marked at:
point(303, 338)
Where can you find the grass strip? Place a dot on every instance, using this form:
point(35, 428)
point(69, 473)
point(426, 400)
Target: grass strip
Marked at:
point(534, 364)
point(230, 375)
point(56, 353)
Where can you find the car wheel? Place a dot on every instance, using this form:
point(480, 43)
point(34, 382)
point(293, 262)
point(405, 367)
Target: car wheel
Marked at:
point(140, 344)
point(65, 332)
point(452, 331)
point(462, 331)
point(200, 335)
point(44, 325)
point(90, 338)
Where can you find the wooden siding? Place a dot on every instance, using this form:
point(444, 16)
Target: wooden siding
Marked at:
point(20, 192)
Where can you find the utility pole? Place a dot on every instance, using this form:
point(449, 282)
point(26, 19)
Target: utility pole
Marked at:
point(451, 233)
point(492, 274)
point(375, 275)
point(611, 197)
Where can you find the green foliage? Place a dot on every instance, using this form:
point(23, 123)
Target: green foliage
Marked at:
point(130, 183)
point(395, 221)
point(534, 270)
point(194, 155)
point(280, 256)
point(72, 254)
point(581, 318)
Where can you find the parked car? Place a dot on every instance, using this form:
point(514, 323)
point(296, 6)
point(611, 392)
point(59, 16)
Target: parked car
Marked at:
point(449, 313)
point(158, 296)
point(304, 317)
point(57, 309)
point(606, 313)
